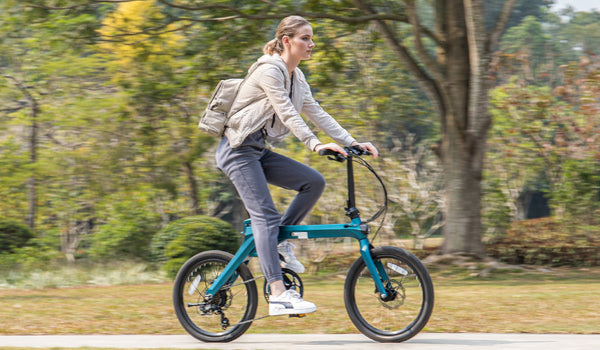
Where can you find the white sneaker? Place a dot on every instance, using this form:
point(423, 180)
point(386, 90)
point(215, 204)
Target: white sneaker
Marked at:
point(286, 250)
point(290, 303)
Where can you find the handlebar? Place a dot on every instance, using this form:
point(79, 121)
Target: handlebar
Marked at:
point(354, 155)
point(351, 150)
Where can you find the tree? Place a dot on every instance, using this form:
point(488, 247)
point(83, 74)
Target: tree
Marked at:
point(530, 44)
point(29, 64)
point(145, 59)
point(450, 59)
point(551, 134)
point(33, 106)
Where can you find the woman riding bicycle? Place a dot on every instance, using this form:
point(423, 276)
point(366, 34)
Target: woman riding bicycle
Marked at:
point(273, 96)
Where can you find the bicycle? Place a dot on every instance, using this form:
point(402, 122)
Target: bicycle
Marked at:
point(388, 292)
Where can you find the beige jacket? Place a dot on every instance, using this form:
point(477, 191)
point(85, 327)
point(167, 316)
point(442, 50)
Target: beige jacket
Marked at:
point(266, 92)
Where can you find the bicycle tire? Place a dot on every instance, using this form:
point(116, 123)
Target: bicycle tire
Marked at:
point(409, 306)
point(205, 320)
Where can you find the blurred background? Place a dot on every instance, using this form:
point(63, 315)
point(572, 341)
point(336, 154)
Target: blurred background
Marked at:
point(101, 161)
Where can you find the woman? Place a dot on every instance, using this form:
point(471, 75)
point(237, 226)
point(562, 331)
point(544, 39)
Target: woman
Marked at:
point(268, 106)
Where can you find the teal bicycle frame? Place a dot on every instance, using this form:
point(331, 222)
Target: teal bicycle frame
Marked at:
point(355, 229)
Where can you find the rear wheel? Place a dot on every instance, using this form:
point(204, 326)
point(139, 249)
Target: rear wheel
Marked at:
point(408, 305)
point(225, 316)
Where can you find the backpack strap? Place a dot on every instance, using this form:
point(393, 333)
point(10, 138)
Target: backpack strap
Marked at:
point(250, 71)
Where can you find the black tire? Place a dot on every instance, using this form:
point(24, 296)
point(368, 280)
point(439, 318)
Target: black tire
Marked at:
point(228, 315)
point(408, 309)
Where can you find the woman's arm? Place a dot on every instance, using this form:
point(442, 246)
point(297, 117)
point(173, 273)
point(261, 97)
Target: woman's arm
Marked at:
point(316, 114)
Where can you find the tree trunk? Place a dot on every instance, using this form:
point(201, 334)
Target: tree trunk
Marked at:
point(462, 176)
point(456, 82)
point(189, 172)
point(462, 149)
point(31, 182)
point(33, 140)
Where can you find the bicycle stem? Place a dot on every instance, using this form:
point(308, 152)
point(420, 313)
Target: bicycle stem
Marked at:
point(351, 211)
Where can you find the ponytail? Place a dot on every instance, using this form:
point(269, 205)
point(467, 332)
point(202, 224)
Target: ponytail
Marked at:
point(274, 46)
point(287, 27)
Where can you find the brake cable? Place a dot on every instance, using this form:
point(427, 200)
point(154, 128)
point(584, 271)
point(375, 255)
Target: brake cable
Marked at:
point(383, 209)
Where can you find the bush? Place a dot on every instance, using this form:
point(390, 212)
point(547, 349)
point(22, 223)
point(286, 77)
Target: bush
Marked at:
point(186, 237)
point(129, 239)
point(576, 196)
point(33, 256)
point(13, 235)
point(548, 241)
point(496, 215)
point(128, 231)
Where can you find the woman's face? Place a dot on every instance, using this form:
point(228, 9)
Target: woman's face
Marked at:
point(301, 43)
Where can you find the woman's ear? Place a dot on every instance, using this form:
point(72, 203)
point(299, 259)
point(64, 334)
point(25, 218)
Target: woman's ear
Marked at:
point(285, 40)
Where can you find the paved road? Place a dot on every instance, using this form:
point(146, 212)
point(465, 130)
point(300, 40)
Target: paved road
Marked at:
point(429, 341)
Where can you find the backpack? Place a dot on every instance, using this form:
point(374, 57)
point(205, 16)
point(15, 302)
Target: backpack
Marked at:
point(214, 118)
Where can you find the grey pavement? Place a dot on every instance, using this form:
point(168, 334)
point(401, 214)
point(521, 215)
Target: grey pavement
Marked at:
point(443, 341)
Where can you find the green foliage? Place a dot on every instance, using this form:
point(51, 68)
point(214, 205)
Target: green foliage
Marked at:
point(534, 8)
point(547, 138)
point(548, 241)
point(13, 235)
point(34, 256)
point(357, 90)
point(577, 194)
point(21, 250)
point(127, 232)
point(496, 215)
point(183, 238)
point(528, 38)
point(581, 31)
point(119, 88)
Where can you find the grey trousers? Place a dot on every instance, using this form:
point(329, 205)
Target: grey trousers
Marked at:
point(252, 166)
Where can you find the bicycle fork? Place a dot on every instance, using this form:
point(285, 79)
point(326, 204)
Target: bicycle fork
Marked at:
point(376, 268)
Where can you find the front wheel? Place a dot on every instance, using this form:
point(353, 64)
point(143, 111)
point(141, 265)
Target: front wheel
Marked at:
point(408, 306)
point(225, 316)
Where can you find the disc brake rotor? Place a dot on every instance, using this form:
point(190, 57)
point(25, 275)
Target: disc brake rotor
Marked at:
point(396, 295)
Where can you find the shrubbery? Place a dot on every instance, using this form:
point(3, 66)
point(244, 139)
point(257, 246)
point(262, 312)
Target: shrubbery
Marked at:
point(124, 228)
point(123, 239)
point(20, 249)
point(13, 235)
point(548, 241)
point(186, 237)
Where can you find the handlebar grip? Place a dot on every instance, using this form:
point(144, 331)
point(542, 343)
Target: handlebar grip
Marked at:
point(358, 151)
point(333, 155)
point(327, 152)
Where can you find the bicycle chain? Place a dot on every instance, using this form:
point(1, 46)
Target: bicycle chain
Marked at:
point(256, 318)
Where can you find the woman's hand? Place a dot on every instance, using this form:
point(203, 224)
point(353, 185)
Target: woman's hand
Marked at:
point(331, 146)
point(367, 146)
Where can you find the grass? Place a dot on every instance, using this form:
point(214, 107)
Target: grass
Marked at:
point(548, 301)
point(122, 273)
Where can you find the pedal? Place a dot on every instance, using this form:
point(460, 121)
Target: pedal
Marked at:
point(297, 315)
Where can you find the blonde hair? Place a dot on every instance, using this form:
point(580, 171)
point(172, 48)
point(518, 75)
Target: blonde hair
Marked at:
point(287, 27)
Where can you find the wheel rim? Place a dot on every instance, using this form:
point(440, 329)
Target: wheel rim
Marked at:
point(398, 313)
